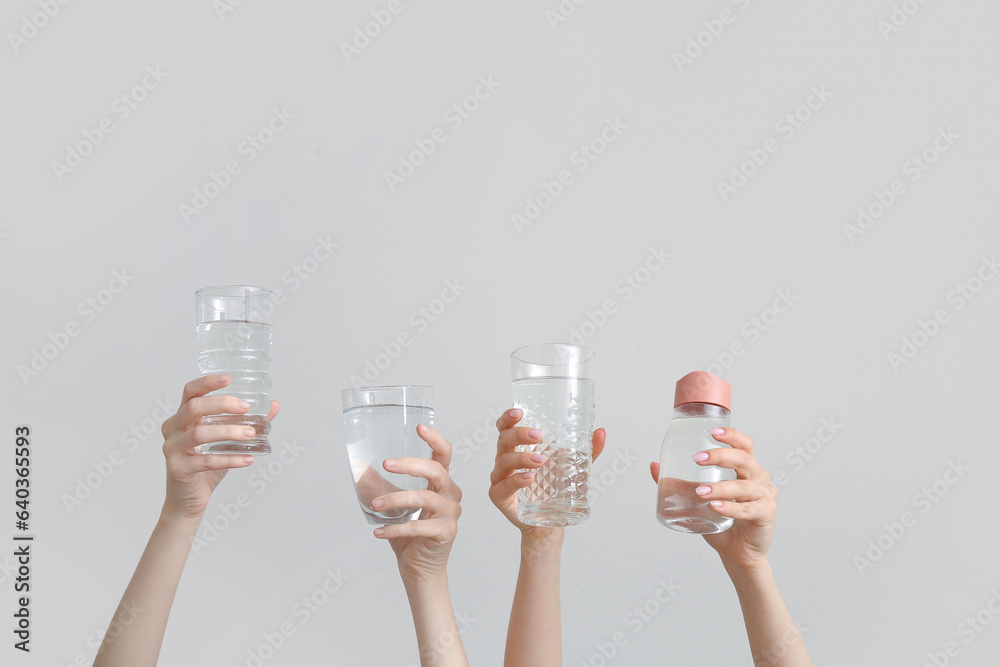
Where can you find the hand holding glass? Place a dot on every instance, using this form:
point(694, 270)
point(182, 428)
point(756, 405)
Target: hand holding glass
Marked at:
point(234, 338)
point(381, 423)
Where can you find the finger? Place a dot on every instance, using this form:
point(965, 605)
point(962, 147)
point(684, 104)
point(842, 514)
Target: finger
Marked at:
point(184, 441)
point(740, 490)
point(203, 385)
point(598, 439)
point(654, 469)
point(190, 465)
point(760, 512)
point(440, 530)
point(510, 462)
point(502, 492)
point(202, 406)
point(433, 471)
point(273, 412)
point(509, 419)
point(440, 448)
point(743, 462)
point(425, 499)
point(510, 439)
point(734, 438)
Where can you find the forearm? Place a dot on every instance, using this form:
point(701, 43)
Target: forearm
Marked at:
point(438, 637)
point(775, 640)
point(136, 631)
point(534, 634)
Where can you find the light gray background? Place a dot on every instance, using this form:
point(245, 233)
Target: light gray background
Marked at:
point(825, 358)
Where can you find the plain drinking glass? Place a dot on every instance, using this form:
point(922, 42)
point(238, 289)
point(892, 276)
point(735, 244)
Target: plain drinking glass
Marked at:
point(381, 423)
point(234, 338)
point(553, 385)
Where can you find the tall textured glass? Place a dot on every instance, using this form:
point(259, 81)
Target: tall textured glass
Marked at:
point(234, 337)
point(381, 423)
point(553, 385)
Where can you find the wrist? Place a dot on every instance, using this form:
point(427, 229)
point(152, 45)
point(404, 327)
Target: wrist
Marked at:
point(423, 579)
point(751, 574)
point(172, 518)
point(543, 536)
point(541, 543)
point(427, 591)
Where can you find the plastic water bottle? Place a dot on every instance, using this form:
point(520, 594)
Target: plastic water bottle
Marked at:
point(234, 338)
point(701, 403)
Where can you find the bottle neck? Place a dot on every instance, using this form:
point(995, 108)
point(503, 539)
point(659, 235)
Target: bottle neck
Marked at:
point(700, 410)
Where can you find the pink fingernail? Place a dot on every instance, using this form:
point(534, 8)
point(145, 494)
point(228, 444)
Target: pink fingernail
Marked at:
point(515, 414)
point(244, 405)
point(391, 463)
point(701, 457)
point(377, 503)
point(379, 532)
point(249, 432)
point(537, 458)
point(718, 431)
point(527, 475)
point(248, 460)
point(716, 503)
point(703, 490)
point(534, 433)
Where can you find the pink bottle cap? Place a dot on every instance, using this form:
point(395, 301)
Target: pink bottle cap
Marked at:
point(703, 387)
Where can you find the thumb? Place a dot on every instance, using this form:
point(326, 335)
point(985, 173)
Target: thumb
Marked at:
point(598, 440)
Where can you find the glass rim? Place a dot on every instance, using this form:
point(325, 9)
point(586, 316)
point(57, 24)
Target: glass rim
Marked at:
point(231, 291)
point(387, 386)
point(587, 354)
point(404, 395)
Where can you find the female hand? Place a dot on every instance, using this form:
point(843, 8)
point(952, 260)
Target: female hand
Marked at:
point(422, 546)
point(191, 476)
point(505, 481)
point(534, 634)
point(750, 500)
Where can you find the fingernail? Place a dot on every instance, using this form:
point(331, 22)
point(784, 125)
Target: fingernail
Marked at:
point(515, 414)
point(223, 378)
point(716, 503)
point(534, 433)
point(718, 431)
point(537, 458)
point(379, 532)
point(703, 490)
point(527, 475)
point(247, 460)
point(244, 405)
point(701, 457)
point(249, 432)
point(391, 463)
point(377, 504)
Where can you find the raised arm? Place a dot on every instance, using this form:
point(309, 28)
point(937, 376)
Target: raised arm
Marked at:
point(751, 501)
point(422, 548)
point(136, 631)
point(534, 634)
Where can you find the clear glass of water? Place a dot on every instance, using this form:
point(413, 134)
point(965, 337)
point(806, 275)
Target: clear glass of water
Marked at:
point(381, 423)
point(553, 385)
point(234, 338)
